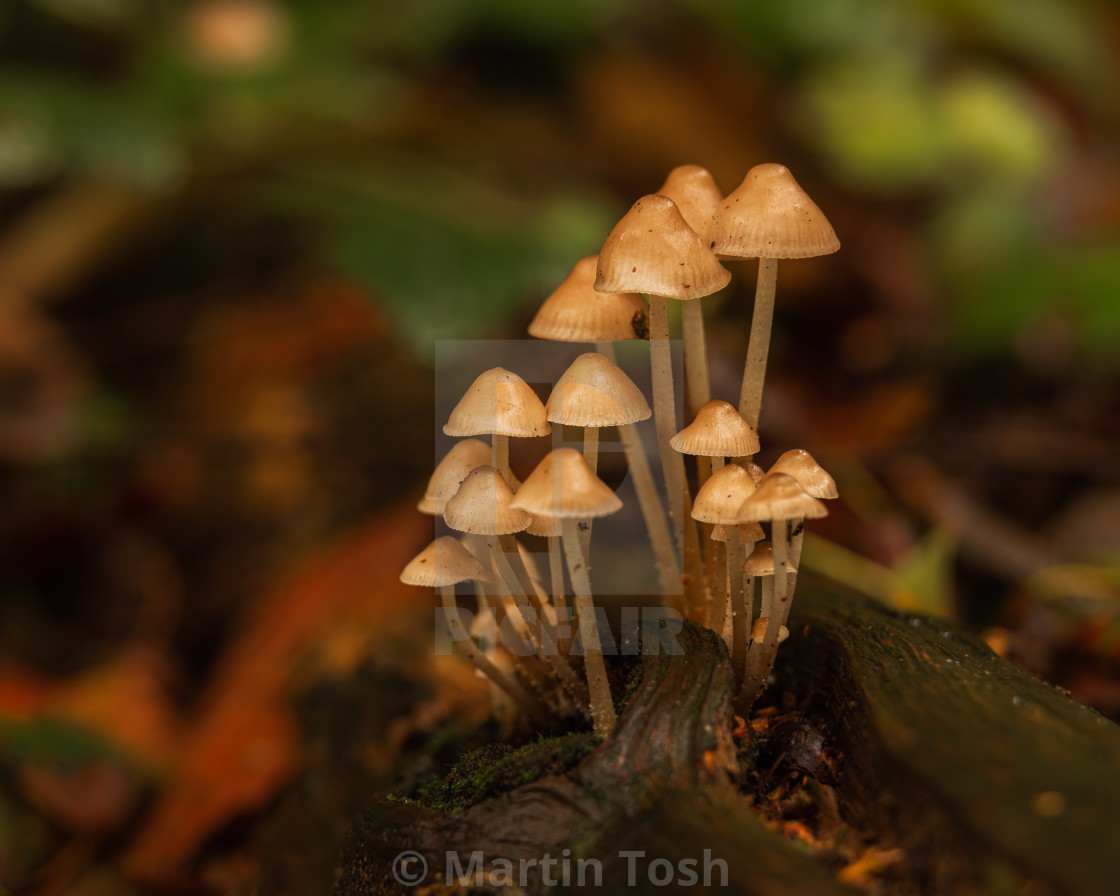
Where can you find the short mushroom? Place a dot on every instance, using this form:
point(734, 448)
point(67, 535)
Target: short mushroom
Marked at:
point(811, 476)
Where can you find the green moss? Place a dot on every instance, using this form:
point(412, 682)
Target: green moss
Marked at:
point(496, 768)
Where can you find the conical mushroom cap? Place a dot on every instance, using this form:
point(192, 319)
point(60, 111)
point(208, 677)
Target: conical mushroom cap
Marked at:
point(544, 526)
point(481, 506)
point(653, 250)
point(501, 403)
point(581, 494)
point(719, 499)
point(443, 562)
point(576, 313)
point(811, 476)
point(779, 497)
point(694, 191)
point(770, 216)
point(749, 533)
point(718, 431)
point(761, 560)
point(451, 471)
point(593, 391)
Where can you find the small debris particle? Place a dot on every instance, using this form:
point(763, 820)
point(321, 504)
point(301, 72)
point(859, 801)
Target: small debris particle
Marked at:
point(1048, 803)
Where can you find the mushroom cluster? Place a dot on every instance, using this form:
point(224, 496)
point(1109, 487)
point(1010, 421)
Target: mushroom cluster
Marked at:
point(706, 507)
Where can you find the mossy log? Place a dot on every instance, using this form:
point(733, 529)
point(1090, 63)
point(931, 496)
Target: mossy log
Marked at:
point(990, 781)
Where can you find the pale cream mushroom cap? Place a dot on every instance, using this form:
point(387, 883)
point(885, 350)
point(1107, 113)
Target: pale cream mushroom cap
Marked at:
point(463, 457)
point(652, 250)
point(481, 506)
point(719, 499)
point(696, 194)
point(770, 216)
point(594, 391)
point(580, 494)
point(498, 403)
point(719, 430)
point(761, 560)
point(443, 562)
point(779, 497)
point(811, 476)
point(575, 312)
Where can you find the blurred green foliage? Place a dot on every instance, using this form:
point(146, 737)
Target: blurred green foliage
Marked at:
point(969, 107)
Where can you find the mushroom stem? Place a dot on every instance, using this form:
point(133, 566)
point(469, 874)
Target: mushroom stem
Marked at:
point(758, 348)
point(547, 637)
point(470, 650)
point(796, 542)
point(695, 356)
point(761, 661)
point(741, 622)
point(591, 455)
point(500, 459)
point(664, 410)
point(695, 587)
point(598, 686)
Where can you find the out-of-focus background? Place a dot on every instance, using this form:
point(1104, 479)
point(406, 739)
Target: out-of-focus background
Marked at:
point(232, 230)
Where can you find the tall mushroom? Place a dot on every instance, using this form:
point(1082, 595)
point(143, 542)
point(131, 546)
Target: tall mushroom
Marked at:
point(811, 476)
point(768, 217)
point(499, 404)
point(442, 565)
point(779, 499)
point(696, 194)
point(652, 250)
point(562, 487)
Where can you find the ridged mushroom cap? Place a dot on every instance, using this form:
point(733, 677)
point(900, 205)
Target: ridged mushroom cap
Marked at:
point(544, 526)
point(696, 194)
point(653, 250)
point(594, 391)
point(749, 533)
point(779, 497)
point(811, 476)
point(463, 457)
point(481, 506)
point(498, 403)
point(563, 487)
point(718, 431)
point(575, 312)
point(443, 562)
point(719, 499)
point(770, 216)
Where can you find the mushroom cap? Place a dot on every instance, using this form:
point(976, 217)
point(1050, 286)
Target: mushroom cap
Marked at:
point(761, 624)
point(811, 476)
point(481, 506)
point(719, 499)
point(443, 562)
point(576, 313)
point(761, 560)
point(544, 526)
point(500, 403)
point(748, 533)
point(463, 457)
point(770, 216)
point(594, 391)
point(718, 431)
point(652, 250)
point(580, 493)
point(696, 194)
point(779, 497)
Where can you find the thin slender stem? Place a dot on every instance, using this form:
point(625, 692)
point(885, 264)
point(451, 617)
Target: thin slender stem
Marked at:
point(796, 542)
point(695, 586)
point(761, 660)
point(499, 452)
point(741, 625)
point(649, 500)
point(758, 348)
point(602, 705)
point(591, 455)
point(695, 356)
point(664, 410)
point(470, 650)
